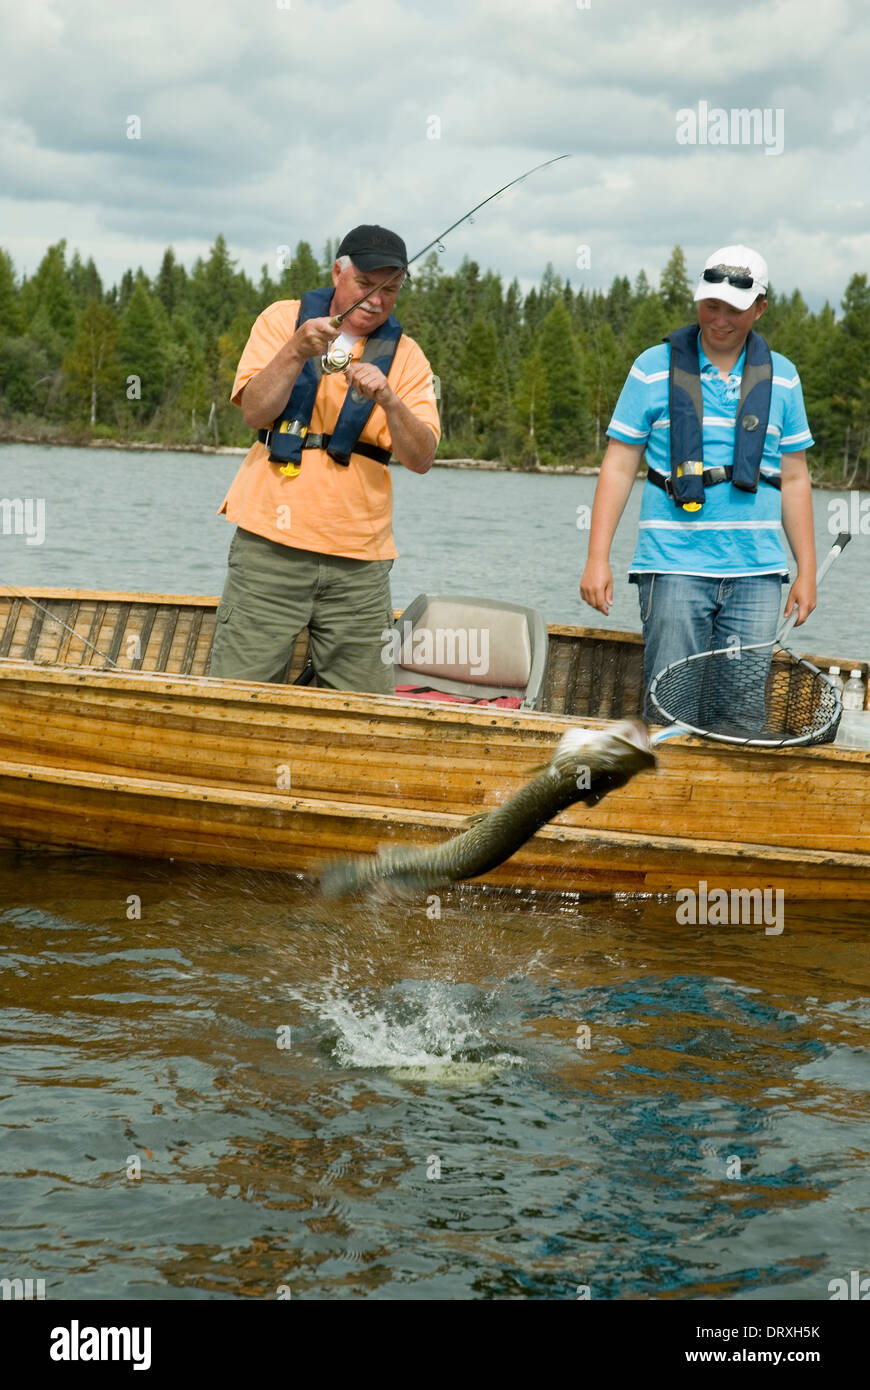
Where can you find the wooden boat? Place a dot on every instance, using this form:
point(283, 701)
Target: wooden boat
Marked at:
point(155, 759)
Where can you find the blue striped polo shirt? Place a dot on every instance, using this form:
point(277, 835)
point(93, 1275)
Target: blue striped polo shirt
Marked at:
point(735, 532)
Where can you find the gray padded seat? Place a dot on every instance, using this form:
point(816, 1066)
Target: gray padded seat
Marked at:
point(478, 647)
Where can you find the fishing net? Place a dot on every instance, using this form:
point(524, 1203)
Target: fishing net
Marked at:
point(744, 695)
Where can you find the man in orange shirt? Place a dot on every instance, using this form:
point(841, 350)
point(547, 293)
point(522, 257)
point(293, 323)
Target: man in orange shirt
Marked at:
point(312, 500)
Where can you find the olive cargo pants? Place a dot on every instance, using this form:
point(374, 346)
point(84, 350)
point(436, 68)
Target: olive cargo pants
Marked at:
point(273, 591)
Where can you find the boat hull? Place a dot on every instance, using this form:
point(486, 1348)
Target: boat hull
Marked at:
point(273, 777)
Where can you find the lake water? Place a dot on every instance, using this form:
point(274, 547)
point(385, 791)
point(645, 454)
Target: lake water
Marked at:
point(218, 1085)
point(118, 519)
point(437, 1124)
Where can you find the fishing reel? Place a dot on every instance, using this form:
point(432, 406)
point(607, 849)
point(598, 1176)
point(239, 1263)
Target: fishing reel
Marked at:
point(338, 355)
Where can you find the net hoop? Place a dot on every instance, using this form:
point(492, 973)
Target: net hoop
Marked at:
point(822, 732)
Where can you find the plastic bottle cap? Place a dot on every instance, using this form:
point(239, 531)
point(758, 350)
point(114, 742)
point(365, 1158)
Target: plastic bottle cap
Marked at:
point(833, 671)
point(853, 674)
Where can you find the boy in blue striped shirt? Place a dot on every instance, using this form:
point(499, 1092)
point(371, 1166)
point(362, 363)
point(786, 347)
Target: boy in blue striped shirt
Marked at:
point(721, 487)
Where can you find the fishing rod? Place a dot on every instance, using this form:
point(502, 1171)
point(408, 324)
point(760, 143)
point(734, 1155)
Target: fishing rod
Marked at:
point(338, 355)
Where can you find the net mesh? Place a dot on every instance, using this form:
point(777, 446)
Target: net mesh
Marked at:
point(744, 696)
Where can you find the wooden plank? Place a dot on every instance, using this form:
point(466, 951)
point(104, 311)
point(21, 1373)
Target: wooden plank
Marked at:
point(205, 641)
point(190, 648)
point(128, 815)
point(385, 709)
point(168, 638)
point(89, 655)
point(120, 596)
point(179, 642)
point(71, 617)
point(144, 636)
point(419, 759)
point(555, 679)
point(12, 616)
point(122, 617)
point(53, 634)
point(38, 618)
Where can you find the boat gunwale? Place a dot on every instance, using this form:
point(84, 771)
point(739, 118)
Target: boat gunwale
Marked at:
point(570, 630)
point(390, 708)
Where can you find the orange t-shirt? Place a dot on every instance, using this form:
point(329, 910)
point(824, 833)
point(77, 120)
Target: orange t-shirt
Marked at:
point(327, 508)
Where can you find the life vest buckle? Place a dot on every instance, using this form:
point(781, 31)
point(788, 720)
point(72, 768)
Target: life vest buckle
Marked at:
point(692, 468)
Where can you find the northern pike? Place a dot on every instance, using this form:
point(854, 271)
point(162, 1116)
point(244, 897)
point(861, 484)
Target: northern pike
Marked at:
point(586, 765)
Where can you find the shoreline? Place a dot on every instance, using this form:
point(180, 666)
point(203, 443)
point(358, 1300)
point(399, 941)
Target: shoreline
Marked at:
point(482, 465)
point(138, 445)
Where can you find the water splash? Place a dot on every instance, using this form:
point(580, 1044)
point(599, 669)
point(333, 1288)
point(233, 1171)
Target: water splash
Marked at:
point(419, 1029)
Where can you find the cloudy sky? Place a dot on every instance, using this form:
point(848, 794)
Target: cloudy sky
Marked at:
point(279, 120)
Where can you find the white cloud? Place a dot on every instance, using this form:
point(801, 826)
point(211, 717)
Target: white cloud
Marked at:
point(273, 125)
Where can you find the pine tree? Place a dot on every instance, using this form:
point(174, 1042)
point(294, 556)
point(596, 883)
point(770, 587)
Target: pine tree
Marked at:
point(48, 305)
point(567, 432)
point(617, 308)
point(170, 285)
point(141, 354)
point(484, 395)
point(84, 280)
point(853, 396)
point(788, 328)
point(217, 292)
point(676, 291)
point(10, 312)
point(604, 369)
point(821, 381)
point(122, 297)
point(267, 290)
point(303, 273)
point(646, 327)
point(187, 392)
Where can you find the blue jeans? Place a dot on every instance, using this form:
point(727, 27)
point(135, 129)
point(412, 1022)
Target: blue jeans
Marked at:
point(687, 613)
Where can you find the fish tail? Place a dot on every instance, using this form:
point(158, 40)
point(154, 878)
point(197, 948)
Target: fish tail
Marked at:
point(348, 876)
point(411, 869)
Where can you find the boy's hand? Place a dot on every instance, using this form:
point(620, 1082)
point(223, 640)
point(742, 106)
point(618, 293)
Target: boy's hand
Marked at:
point(802, 593)
point(596, 585)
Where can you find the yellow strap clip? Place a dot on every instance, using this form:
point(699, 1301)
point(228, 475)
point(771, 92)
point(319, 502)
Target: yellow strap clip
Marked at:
point(694, 469)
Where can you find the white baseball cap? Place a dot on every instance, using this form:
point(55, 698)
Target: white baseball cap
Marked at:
point(736, 262)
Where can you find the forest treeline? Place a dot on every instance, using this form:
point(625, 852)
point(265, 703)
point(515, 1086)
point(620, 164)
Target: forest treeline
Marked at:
point(523, 377)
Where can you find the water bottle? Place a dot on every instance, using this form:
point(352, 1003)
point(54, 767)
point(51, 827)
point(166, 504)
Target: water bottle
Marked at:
point(853, 695)
point(836, 680)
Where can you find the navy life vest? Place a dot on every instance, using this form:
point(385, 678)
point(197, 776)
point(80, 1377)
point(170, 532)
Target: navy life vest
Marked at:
point(287, 437)
point(686, 412)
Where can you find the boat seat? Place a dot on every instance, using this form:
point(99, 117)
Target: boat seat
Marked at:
point(463, 648)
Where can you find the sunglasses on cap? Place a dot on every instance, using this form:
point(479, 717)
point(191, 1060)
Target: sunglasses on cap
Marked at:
point(737, 275)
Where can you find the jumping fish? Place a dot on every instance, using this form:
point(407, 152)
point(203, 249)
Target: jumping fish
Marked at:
point(586, 765)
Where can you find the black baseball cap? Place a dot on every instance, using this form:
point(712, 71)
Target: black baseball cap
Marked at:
point(371, 247)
